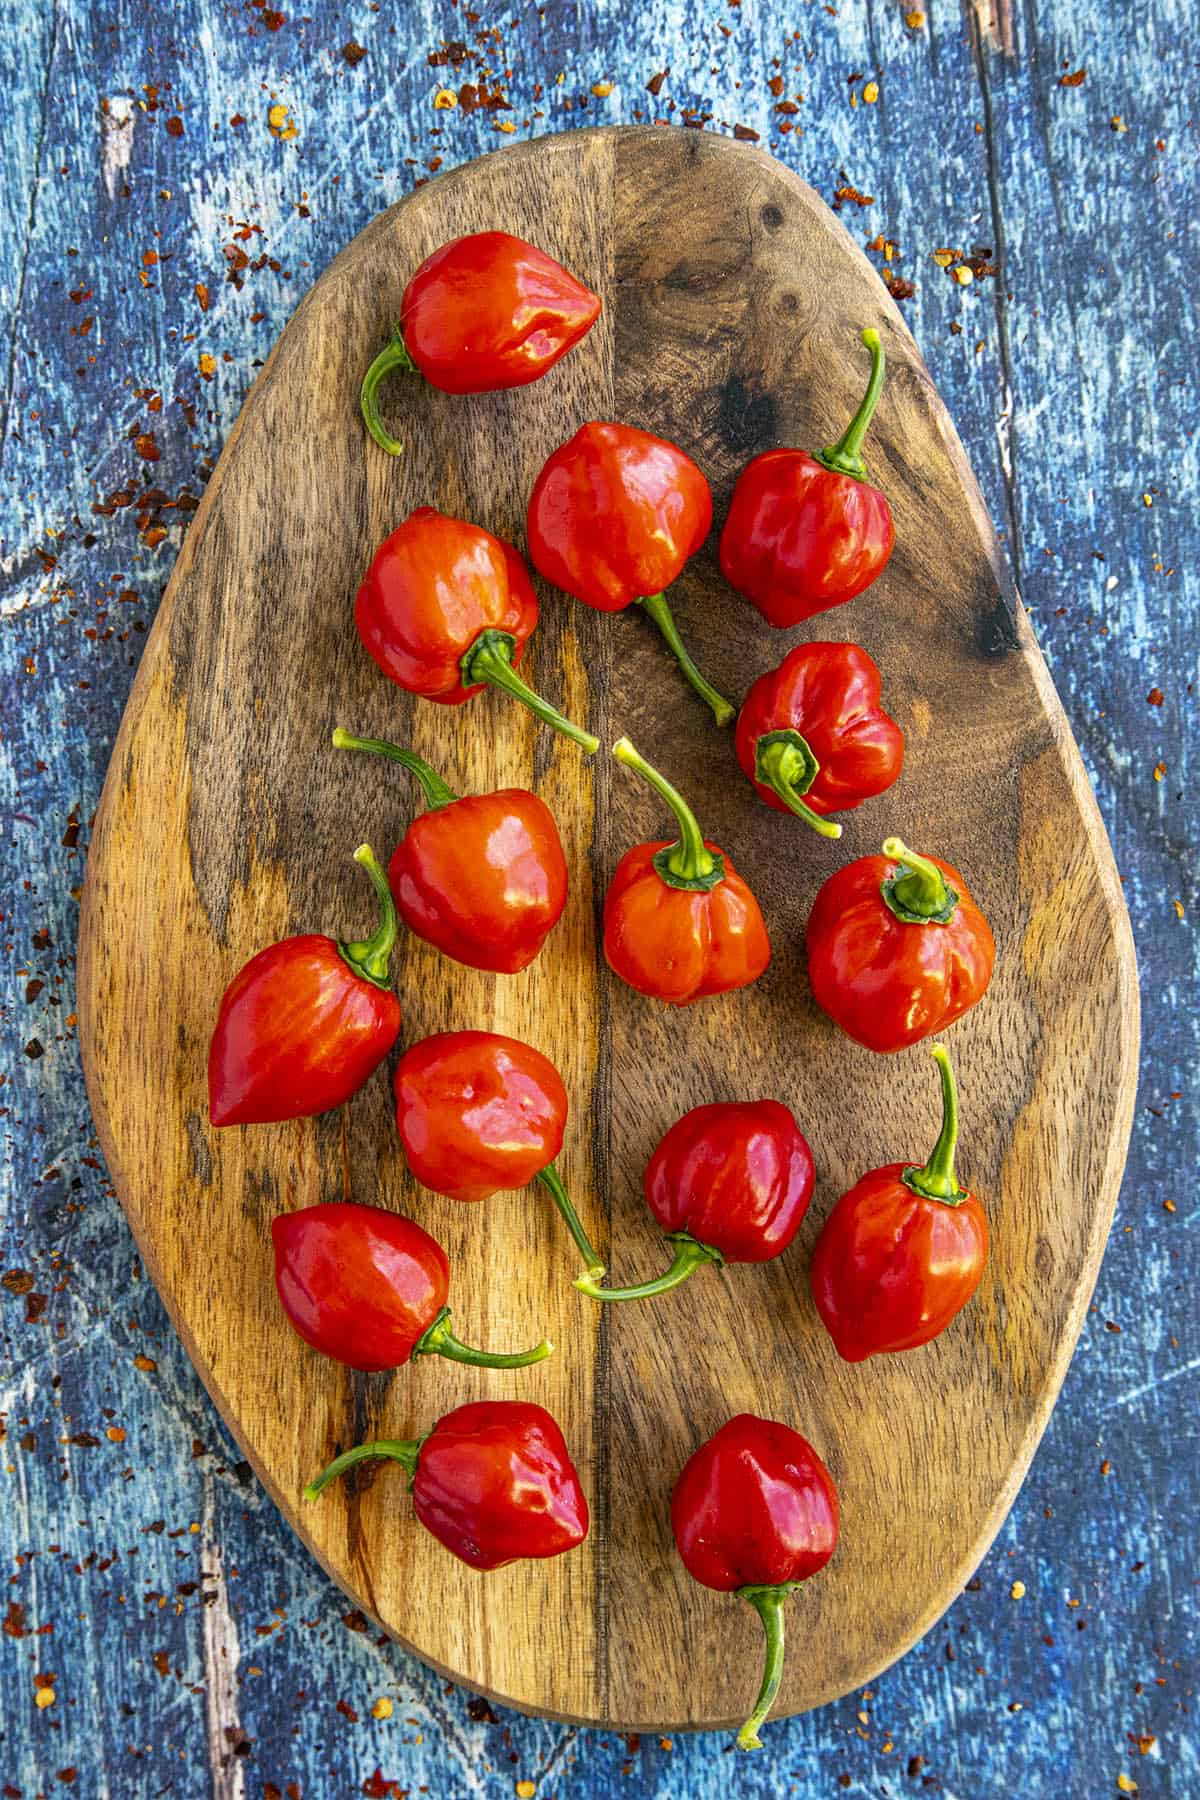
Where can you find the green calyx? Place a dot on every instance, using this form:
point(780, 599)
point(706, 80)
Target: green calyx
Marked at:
point(402, 1450)
point(768, 1603)
point(919, 893)
point(393, 356)
point(656, 607)
point(690, 1255)
point(689, 863)
point(438, 1340)
point(436, 792)
point(784, 762)
point(845, 457)
point(369, 957)
point(936, 1179)
point(490, 659)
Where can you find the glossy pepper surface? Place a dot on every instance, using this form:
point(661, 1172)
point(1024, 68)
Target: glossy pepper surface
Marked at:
point(813, 738)
point(613, 517)
point(483, 878)
point(903, 1250)
point(755, 1512)
point(305, 1023)
point(897, 948)
point(493, 1481)
point(680, 924)
point(729, 1183)
point(805, 533)
point(445, 608)
point(478, 1112)
point(368, 1288)
point(485, 311)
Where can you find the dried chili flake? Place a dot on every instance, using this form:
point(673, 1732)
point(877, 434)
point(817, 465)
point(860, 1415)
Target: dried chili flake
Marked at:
point(17, 1281)
point(175, 125)
point(1076, 79)
point(353, 54)
point(745, 134)
point(1155, 697)
point(146, 446)
point(655, 84)
point(848, 195)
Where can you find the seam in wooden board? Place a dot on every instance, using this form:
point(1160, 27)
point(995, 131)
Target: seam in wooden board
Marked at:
point(155, 666)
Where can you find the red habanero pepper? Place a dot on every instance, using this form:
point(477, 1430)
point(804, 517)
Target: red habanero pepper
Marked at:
point(484, 312)
point(679, 921)
point(304, 1023)
point(493, 1481)
point(805, 533)
point(446, 607)
point(897, 948)
point(478, 1112)
point(755, 1512)
point(729, 1183)
point(613, 517)
point(483, 878)
point(368, 1288)
point(902, 1251)
point(813, 738)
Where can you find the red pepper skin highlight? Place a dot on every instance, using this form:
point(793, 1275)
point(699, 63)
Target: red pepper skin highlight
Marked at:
point(755, 1512)
point(806, 533)
point(493, 1481)
point(368, 1288)
point(813, 738)
point(903, 1250)
point(897, 948)
point(304, 1024)
point(483, 878)
point(446, 607)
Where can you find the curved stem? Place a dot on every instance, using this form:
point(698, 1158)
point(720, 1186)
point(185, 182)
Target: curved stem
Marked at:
point(655, 605)
point(768, 1603)
point(936, 1178)
point(690, 1255)
point(439, 1340)
point(434, 788)
point(845, 457)
point(401, 1450)
point(392, 356)
point(920, 895)
point(369, 957)
point(689, 863)
point(551, 1180)
point(784, 762)
point(490, 658)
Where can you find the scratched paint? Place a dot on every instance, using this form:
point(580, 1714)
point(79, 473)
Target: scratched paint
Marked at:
point(165, 1633)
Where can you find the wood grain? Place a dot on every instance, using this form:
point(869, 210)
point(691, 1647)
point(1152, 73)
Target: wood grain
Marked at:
point(733, 300)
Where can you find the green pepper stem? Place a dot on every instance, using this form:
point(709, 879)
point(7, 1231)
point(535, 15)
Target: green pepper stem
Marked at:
point(401, 1450)
point(768, 1603)
point(369, 957)
point(490, 658)
point(936, 1178)
point(439, 1340)
point(392, 356)
point(552, 1181)
point(656, 607)
point(784, 762)
point(690, 1255)
point(436, 792)
point(689, 863)
point(920, 894)
point(845, 457)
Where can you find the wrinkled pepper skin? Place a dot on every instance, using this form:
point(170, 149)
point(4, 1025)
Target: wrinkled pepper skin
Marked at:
point(445, 607)
point(368, 1288)
point(887, 981)
point(304, 1024)
point(490, 311)
point(483, 878)
point(902, 1252)
point(813, 738)
point(736, 1175)
point(613, 517)
point(478, 1112)
point(755, 1512)
point(807, 533)
point(493, 1481)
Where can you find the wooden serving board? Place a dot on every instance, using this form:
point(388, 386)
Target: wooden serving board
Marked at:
point(733, 300)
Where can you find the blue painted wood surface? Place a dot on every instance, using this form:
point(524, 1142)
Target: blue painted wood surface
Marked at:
point(164, 1632)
